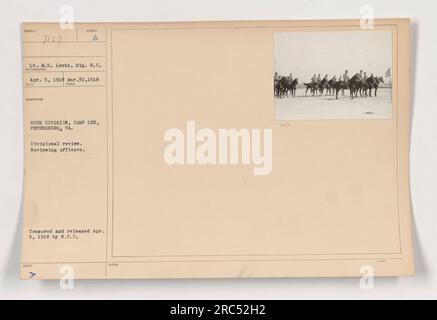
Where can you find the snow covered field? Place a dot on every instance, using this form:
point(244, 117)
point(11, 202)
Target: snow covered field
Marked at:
point(327, 107)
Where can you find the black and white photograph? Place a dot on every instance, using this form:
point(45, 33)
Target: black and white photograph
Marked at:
point(333, 75)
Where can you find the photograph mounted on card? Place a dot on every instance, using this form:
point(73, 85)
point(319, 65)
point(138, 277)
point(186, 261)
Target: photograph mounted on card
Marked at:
point(216, 149)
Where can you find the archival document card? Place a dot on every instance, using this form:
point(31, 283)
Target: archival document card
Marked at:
point(216, 149)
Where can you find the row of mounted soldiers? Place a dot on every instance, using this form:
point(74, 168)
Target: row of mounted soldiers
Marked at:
point(361, 83)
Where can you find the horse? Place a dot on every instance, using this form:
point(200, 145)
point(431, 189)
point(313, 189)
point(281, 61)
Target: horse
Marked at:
point(373, 83)
point(312, 86)
point(337, 86)
point(330, 89)
point(354, 85)
point(322, 85)
point(281, 87)
point(293, 86)
point(363, 88)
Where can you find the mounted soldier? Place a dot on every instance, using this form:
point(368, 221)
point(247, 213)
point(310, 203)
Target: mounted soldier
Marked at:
point(346, 80)
point(346, 76)
point(312, 86)
point(276, 78)
point(364, 86)
point(331, 84)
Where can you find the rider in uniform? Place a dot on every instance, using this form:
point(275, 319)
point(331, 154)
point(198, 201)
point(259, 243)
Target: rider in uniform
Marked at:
point(275, 84)
point(346, 76)
point(276, 77)
point(345, 79)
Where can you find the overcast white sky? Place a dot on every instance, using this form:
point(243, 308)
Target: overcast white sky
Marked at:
point(306, 53)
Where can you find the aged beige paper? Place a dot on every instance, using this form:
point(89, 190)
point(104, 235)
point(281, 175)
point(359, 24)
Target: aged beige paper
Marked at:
point(187, 150)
